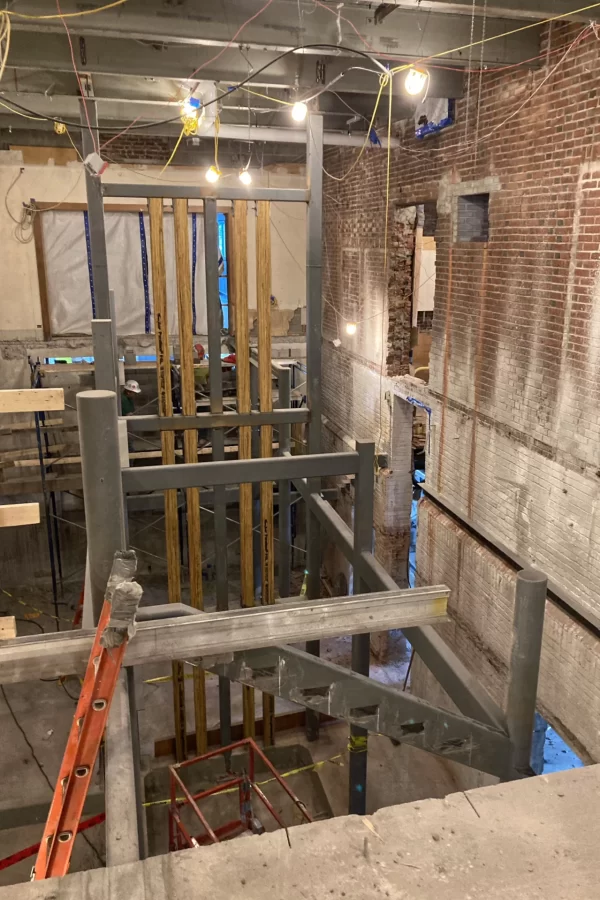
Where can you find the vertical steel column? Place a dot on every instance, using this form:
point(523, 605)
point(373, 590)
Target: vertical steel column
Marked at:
point(314, 252)
point(102, 489)
point(256, 554)
point(363, 541)
point(103, 348)
point(528, 627)
point(90, 143)
point(285, 521)
point(106, 527)
point(213, 312)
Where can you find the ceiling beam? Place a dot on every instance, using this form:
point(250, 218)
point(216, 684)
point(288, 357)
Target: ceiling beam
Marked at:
point(526, 10)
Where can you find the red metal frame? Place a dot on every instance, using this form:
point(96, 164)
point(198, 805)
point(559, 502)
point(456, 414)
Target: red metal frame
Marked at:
point(179, 836)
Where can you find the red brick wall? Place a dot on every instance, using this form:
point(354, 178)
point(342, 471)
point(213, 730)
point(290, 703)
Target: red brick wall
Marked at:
point(515, 362)
point(138, 148)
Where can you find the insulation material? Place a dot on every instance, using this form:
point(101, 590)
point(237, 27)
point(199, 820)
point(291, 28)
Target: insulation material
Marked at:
point(69, 278)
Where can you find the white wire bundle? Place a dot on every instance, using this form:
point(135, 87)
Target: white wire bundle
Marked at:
point(4, 40)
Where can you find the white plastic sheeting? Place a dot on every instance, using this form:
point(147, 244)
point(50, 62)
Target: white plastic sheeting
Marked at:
point(68, 275)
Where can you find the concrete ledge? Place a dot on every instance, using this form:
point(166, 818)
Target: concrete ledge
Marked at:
point(534, 838)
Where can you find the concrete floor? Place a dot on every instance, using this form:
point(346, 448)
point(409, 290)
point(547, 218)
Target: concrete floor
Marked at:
point(44, 712)
point(536, 838)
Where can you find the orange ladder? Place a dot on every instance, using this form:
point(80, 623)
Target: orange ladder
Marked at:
point(82, 747)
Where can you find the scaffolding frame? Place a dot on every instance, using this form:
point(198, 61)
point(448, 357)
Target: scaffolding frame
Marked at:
point(105, 485)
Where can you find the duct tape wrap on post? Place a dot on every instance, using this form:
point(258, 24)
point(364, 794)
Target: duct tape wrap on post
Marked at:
point(124, 595)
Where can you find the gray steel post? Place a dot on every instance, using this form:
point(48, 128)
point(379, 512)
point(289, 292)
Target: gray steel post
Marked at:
point(361, 650)
point(133, 691)
point(122, 832)
point(314, 252)
point(528, 627)
point(213, 312)
point(102, 487)
point(95, 205)
point(115, 348)
point(285, 522)
point(104, 366)
point(256, 554)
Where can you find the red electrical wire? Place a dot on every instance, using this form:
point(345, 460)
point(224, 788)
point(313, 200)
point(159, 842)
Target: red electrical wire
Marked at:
point(81, 91)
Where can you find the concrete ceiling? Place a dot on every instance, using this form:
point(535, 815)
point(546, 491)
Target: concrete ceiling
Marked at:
point(140, 55)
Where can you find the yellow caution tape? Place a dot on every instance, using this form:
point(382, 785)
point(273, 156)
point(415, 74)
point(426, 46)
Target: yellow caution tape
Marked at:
point(40, 612)
point(357, 743)
point(316, 765)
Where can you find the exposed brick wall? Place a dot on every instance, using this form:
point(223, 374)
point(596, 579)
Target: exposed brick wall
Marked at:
point(515, 359)
point(515, 374)
point(138, 148)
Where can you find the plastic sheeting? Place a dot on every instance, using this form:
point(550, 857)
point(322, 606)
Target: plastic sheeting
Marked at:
point(68, 272)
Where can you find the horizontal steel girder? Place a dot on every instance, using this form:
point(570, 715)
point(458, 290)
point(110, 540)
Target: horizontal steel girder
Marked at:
point(207, 635)
point(135, 41)
point(203, 192)
point(238, 471)
point(300, 677)
point(216, 420)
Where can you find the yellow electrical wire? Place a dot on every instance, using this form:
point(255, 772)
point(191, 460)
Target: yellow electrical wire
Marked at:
point(264, 96)
point(383, 80)
point(4, 40)
point(72, 15)
point(73, 144)
point(25, 116)
point(170, 159)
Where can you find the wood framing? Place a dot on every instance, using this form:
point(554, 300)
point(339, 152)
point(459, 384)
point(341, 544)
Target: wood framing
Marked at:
point(265, 394)
point(40, 261)
point(19, 514)
point(190, 441)
point(32, 400)
point(165, 408)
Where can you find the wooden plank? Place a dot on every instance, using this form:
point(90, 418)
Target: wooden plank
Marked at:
point(32, 400)
point(40, 260)
point(239, 290)
point(8, 627)
point(9, 456)
point(190, 441)
point(265, 394)
point(15, 487)
point(19, 514)
point(167, 438)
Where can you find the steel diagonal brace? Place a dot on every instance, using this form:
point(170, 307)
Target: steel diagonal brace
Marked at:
point(325, 687)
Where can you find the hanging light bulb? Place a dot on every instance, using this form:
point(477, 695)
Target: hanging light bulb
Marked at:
point(245, 177)
point(350, 327)
point(299, 111)
point(212, 175)
point(415, 81)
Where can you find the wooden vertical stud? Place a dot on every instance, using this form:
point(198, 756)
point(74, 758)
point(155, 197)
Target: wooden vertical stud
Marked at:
point(167, 438)
point(239, 289)
point(265, 392)
point(190, 441)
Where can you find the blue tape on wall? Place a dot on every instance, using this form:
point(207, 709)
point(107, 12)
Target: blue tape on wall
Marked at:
point(144, 250)
point(88, 245)
point(194, 255)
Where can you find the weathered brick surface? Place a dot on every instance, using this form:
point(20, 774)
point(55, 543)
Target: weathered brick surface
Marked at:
point(515, 374)
point(481, 604)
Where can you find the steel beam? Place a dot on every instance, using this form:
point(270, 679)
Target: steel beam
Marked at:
point(201, 192)
point(122, 832)
point(237, 471)
point(314, 257)
point(103, 350)
point(462, 686)
point(361, 643)
point(102, 490)
point(95, 210)
point(217, 420)
point(284, 520)
point(214, 325)
point(371, 706)
point(528, 628)
point(156, 502)
point(206, 635)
